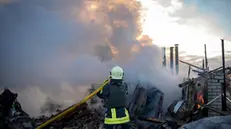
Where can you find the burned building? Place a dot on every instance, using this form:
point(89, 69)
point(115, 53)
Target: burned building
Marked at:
point(206, 89)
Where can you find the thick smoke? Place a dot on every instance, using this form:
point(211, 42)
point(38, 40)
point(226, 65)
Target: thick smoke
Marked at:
point(58, 48)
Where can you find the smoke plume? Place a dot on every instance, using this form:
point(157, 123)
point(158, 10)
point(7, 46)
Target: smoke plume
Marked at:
point(58, 48)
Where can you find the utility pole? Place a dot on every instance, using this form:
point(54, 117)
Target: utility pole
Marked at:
point(224, 77)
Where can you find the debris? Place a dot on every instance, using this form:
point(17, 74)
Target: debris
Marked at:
point(218, 122)
point(146, 102)
point(145, 108)
point(11, 114)
point(50, 107)
point(161, 123)
point(91, 115)
point(74, 107)
point(82, 118)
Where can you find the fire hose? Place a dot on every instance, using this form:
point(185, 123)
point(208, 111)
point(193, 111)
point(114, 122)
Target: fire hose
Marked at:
point(74, 107)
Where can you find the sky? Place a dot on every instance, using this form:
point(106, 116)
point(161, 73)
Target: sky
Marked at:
point(57, 48)
point(189, 23)
point(219, 9)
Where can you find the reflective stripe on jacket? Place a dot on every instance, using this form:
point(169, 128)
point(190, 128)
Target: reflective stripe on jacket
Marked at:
point(116, 116)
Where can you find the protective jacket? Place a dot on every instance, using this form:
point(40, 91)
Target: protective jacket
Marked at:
point(114, 95)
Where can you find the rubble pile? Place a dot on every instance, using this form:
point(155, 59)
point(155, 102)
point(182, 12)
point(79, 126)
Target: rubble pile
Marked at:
point(83, 117)
point(12, 115)
point(144, 101)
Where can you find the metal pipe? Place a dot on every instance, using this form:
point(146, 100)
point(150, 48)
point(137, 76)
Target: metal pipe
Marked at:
point(164, 56)
point(224, 77)
point(177, 58)
point(228, 99)
point(213, 100)
point(171, 58)
point(224, 113)
point(191, 65)
point(203, 64)
point(206, 59)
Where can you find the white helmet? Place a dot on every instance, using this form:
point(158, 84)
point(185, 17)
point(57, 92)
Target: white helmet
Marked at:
point(117, 73)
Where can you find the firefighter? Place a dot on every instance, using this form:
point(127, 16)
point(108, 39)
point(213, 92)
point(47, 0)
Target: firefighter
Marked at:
point(114, 94)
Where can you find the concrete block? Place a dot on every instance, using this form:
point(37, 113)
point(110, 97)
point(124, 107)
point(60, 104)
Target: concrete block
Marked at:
point(211, 113)
point(214, 88)
point(218, 91)
point(216, 83)
point(211, 83)
point(218, 77)
point(212, 80)
point(213, 94)
point(221, 80)
point(216, 104)
point(218, 88)
point(211, 89)
point(210, 97)
point(220, 74)
point(211, 76)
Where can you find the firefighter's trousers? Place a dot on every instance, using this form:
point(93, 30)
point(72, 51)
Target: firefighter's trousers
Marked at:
point(116, 116)
point(124, 126)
